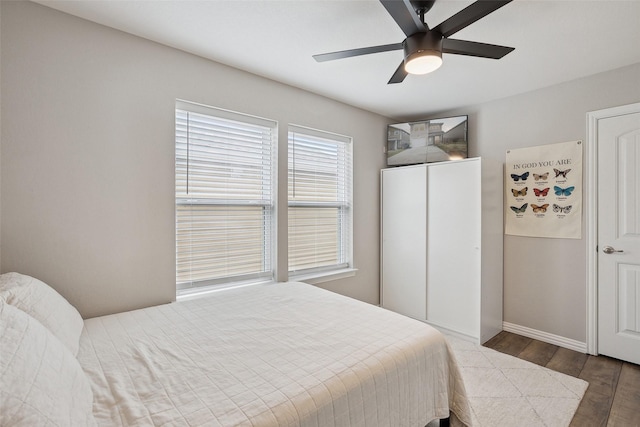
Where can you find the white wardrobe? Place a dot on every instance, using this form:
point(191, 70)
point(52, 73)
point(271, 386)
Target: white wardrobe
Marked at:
point(442, 245)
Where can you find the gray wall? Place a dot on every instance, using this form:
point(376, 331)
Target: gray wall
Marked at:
point(545, 279)
point(87, 167)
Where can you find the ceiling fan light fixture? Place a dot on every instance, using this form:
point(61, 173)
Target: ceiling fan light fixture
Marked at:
point(423, 52)
point(423, 62)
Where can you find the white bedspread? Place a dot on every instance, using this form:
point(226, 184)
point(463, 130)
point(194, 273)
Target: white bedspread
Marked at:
point(286, 354)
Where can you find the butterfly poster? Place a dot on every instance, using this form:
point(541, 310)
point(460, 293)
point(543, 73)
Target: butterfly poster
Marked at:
point(544, 191)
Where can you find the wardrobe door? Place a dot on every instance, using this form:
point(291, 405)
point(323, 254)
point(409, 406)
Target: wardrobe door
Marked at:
point(453, 246)
point(404, 223)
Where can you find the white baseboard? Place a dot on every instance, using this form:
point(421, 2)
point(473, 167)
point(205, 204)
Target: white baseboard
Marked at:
point(545, 337)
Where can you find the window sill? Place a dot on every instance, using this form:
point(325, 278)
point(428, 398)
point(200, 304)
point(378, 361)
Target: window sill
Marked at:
point(205, 291)
point(312, 279)
point(325, 276)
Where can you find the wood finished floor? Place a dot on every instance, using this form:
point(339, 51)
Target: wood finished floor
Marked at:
point(613, 396)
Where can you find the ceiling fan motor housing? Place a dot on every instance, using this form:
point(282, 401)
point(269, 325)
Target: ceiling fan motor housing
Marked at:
point(421, 44)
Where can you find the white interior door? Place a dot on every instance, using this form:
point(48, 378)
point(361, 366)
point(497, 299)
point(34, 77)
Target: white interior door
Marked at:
point(619, 237)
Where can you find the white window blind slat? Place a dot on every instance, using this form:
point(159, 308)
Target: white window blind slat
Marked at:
point(224, 196)
point(319, 194)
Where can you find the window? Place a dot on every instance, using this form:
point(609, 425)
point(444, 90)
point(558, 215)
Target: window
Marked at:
point(224, 197)
point(319, 201)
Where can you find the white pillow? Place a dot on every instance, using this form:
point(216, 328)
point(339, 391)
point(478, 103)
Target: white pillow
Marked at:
point(44, 304)
point(41, 382)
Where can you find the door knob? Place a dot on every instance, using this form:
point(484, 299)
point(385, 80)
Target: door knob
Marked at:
point(610, 250)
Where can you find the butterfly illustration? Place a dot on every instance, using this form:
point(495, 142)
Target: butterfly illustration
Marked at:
point(563, 173)
point(541, 193)
point(521, 209)
point(563, 191)
point(562, 209)
point(541, 176)
point(539, 209)
point(523, 177)
point(522, 192)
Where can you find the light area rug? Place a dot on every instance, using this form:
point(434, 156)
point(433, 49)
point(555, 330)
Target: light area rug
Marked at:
point(506, 391)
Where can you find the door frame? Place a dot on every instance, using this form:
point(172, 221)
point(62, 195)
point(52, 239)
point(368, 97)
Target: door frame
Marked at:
point(591, 215)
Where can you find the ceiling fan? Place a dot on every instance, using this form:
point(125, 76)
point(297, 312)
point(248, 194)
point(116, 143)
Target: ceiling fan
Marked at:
point(424, 46)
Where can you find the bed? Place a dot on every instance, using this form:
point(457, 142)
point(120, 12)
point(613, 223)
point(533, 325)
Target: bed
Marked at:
point(283, 354)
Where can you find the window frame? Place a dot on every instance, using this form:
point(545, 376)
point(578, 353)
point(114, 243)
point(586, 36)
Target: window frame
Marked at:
point(345, 266)
point(268, 204)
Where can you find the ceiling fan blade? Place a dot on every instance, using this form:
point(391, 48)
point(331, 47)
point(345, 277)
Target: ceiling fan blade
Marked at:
point(405, 16)
point(483, 50)
point(399, 75)
point(468, 16)
point(356, 52)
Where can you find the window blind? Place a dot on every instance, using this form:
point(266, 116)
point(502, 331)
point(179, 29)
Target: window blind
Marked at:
point(224, 196)
point(319, 200)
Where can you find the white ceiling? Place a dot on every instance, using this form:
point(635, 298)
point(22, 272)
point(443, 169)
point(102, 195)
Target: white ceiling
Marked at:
point(555, 41)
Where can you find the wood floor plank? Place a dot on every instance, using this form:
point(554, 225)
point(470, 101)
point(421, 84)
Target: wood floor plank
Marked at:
point(538, 352)
point(495, 340)
point(602, 373)
point(625, 410)
point(567, 361)
point(593, 410)
point(511, 344)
